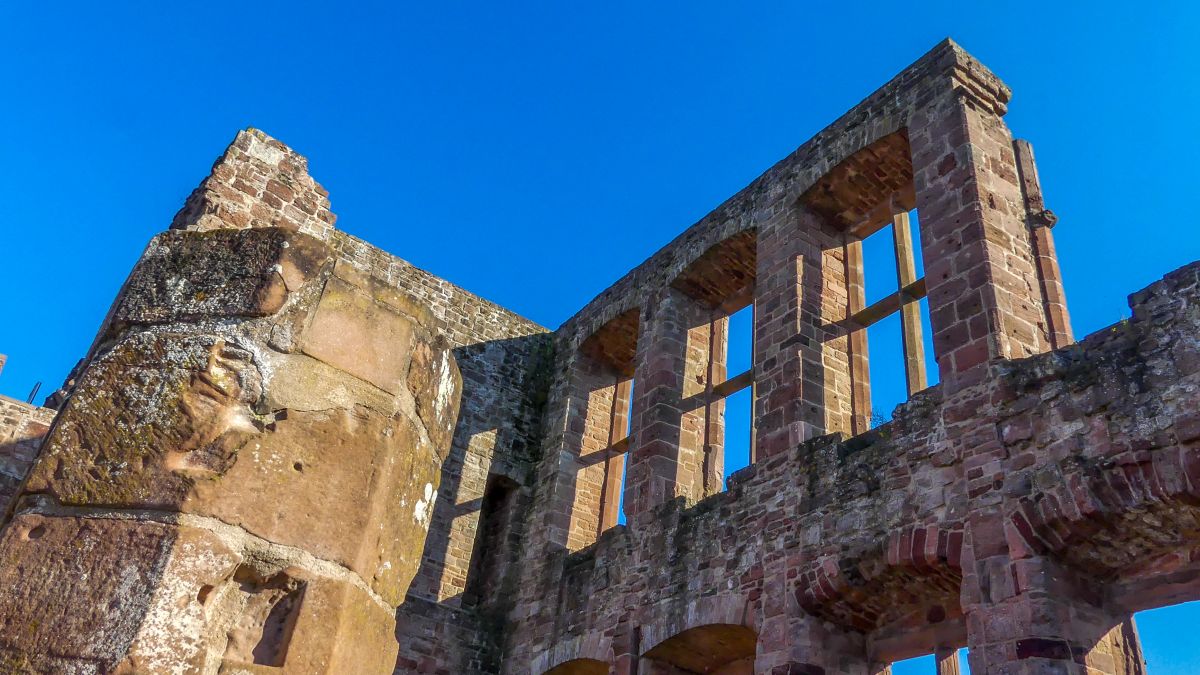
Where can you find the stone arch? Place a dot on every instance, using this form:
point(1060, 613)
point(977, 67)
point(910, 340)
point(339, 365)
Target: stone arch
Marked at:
point(587, 654)
point(719, 648)
point(905, 594)
point(1124, 524)
point(715, 633)
point(669, 620)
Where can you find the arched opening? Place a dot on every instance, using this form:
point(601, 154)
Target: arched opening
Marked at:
point(872, 198)
point(601, 390)
point(720, 350)
point(579, 667)
point(714, 649)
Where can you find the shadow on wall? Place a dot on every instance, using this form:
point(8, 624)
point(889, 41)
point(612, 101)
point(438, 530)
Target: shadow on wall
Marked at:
point(22, 429)
point(477, 518)
point(16, 457)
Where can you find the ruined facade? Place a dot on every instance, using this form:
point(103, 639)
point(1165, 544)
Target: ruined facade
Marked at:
point(288, 451)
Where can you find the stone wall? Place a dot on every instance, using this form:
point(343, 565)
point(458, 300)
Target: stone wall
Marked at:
point(279, 339)
point(931, 531)
point(834, 554)
point(500, 355)
point(22, 427)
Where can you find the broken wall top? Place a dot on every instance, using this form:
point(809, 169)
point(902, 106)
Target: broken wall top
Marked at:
point(259, 182)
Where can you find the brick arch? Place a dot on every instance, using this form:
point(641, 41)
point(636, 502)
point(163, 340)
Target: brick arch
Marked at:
point(576, 655)
point(913, 579)
point(1123, 521)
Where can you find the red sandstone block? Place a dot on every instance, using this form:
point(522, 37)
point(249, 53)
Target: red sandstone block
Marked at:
point(970, 355)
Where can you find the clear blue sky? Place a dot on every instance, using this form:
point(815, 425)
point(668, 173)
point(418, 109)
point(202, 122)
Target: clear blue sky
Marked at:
point(533, 153)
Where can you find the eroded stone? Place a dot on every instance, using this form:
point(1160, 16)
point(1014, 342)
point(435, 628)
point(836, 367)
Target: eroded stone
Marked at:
point(186, 276)
point(367, 339)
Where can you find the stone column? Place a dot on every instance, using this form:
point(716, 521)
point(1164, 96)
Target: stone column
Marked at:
point(671, 377)
point(1028, 614)
point(1040, 220)
point(799, 644)
point(979, 262)
point(801, 351)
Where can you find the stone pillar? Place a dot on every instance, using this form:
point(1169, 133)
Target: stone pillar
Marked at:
point(674, 364)
point(1040, 219)
point(243, 477)
point(799, 644)
point(979, 262)
point(947, 662)
point(802, 350)
point(1028, 614)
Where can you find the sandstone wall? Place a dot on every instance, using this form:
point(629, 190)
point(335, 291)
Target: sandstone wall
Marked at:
point(22, 427)
point(502, 357)
point(836, 554)
point(267, 436)
point(937, 529)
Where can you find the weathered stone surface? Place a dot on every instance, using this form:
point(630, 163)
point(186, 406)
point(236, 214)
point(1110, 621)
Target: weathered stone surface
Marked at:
point(353, 487)
point(151, 418)
point(190, 276)
point(351, 484)
point(75, 591)
point(163, 598)
point(351, 331)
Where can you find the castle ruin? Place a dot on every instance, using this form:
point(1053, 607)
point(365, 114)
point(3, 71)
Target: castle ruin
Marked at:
point(288, 451)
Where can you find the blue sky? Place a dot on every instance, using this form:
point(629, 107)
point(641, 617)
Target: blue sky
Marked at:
point(534, 152)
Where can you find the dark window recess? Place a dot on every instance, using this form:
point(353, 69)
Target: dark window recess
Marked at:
point(490, 559)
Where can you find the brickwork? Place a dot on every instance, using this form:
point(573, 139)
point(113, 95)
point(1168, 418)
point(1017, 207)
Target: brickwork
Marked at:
point(935, 529)
point(679, 340)
point(842, 555)
point(802, 357)
point(258, 182)
point(979, 257)
point(22, 427)
point(281, 423)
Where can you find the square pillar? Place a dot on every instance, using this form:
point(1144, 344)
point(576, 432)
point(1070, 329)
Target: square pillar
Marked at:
point(1040, 220)
point(680, 353)
point(802, 349)
point(980, 269)
point(947, 662)
point(795, 643)
point(1029, 614)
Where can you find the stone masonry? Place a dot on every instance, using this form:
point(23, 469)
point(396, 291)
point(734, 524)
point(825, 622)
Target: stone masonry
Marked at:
point(290, 452)
point(22, 427)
